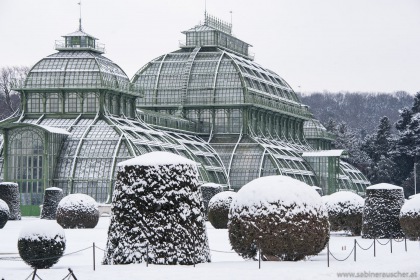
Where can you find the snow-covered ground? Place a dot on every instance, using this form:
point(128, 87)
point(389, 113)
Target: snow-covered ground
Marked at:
point(223, 265)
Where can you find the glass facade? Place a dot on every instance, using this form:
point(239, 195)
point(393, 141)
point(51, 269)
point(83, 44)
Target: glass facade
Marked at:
point(208, 101)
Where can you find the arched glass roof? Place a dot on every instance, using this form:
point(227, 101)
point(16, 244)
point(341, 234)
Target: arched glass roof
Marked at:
point(77, 70)
point(350, 178)
point(248, 157)
point(87, 160)
point(205, 76)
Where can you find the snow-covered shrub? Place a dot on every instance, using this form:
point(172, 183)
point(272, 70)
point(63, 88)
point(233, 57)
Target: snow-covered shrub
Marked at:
point(345, 211)
point(4, 213)
point(52, 198)
point(156, 208)
point(283, 217)
point(218, 211)
point(410, 218)
point(77, 211)
point(9, 192)
point(381, 212)
point(41, 244)
point(209, 190)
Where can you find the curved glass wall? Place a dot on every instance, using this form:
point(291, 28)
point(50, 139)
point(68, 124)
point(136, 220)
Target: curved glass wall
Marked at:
point(247, 158)
point(351, 178)
point(317, 135)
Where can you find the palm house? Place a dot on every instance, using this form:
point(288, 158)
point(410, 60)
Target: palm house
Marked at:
point(208, 101)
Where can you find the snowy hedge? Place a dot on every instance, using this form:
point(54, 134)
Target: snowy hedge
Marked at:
point(41, 244)
point(4, 213)
point(77, 211)
point(410, 218)
point(52, 198)
point(157, 209)
point(219, 209)
point(9, 192)
point(282, 216)
point(209, 190)
point(381, 212)
point(345, 211)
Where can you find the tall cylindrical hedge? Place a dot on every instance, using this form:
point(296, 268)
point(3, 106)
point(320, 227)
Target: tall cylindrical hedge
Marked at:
point(283, 217)
point(9, 192)
point(157, 213)
point(208, 190)
point(381, 212)
point(52, 198)
point(410, 218)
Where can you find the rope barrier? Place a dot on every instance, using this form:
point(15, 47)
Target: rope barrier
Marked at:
point(41, 259)
point(364, 248)
point(99, 248)
point(383, 244)
point(352, 250)
point(226, 252)
point(399, 240)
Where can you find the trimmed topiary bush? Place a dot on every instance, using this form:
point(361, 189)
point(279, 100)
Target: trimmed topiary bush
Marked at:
point(282, 216)
point(77, 211)
point(410, 218)
point(157, 209)
point(9, 192)
point(41, 244)
point(52, 198)
point(381, 212)
point(345, 211)
point(4, 213)
point(219, 209)
point(209, 190)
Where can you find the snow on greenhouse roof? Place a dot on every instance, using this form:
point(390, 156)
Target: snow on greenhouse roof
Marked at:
point(48, 229)
point(326, 153)
point(79, 33)
point(55, 130)
point(157, 158)
point(273, 189)
point(384, 186)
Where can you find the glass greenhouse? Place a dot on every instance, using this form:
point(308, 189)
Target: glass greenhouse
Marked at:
point(208, 101)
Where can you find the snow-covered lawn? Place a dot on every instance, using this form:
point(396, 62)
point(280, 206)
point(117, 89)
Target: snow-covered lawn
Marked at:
point(223, 265)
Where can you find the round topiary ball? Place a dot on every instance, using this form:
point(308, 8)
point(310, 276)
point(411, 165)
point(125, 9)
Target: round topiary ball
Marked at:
point(4, 213)
point(219, 209)
point(208, 190)
point(345, 211)
point(77, 211)
point(410, 218)
point(382, 210)
point(52, 198)
point(283, 217)
point(9, 192)
point(41, 244)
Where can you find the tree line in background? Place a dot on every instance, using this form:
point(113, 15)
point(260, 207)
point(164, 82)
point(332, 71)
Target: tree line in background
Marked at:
point(385, 153)
point(10, 76)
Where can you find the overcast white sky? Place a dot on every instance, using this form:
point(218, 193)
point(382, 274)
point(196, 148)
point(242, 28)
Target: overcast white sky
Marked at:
point(352, 45)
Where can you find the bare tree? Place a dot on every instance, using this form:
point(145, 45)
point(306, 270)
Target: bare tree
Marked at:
point(10, 77)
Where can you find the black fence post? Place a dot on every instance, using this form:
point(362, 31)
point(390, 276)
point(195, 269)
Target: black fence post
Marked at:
point(194, 250)
point(259, 258)
point(33, 276)
point(405, 241)
point(374, 247)
point(328, 253)
point(94, 268)
point(147, 254)
point(355, 249)
point(390, 241)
